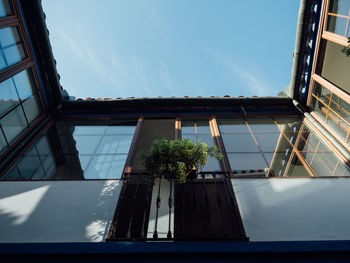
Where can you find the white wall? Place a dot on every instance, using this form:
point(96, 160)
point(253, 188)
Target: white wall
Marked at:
point(294, 209)
point(163, 212)
point(57, 211)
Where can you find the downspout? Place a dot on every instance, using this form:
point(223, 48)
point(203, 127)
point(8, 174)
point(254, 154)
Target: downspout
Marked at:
point(296, 53)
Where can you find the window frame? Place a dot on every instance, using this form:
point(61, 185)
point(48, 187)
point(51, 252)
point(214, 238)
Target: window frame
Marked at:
point(15, 20)
point(324, 35)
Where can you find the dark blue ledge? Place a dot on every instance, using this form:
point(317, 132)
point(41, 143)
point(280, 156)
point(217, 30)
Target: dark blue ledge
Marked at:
point(175, 247)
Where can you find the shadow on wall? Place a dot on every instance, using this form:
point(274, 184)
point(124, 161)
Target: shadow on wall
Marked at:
point(57, 211)
point(294, 209)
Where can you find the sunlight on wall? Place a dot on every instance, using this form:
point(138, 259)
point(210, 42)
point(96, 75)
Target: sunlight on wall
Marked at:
point(97, 230)
point(21, 206)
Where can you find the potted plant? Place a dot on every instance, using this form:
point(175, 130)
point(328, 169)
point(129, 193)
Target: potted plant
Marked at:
point(177, 159)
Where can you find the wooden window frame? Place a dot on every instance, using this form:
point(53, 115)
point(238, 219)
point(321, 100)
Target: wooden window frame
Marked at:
point(27, 63)
point(339, 39)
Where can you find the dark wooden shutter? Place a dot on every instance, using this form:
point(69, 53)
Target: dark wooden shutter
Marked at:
point(206, 210)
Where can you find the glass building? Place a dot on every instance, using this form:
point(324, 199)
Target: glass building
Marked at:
point(286, 159)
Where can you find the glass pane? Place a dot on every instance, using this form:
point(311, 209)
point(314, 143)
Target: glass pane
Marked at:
point(239, 142)
point(246, 161)
point(323, 164)
point(203, 127)
point(13, 124)
point(106, 167)
point(212, 165)
point(337, 25)
point(339, 7)
point(187, 127)
point(262, 125)
point(8, 96)
point(297, 168)
point(43, 147)
point(13, 174)
point(278, 163)
point(25, 84)
point(232, 126)
point(11, 48)
point(338, 112)
point(269, 142)
point(49, 166)
point(5, 8)
point(29, 166)
point(195, 127)
point(289, 124)
point(3, 144)
point(115, 144)
point(120, 129)
point(335, 66)
point(32, 108)
point(87, 130)
point(87, 144)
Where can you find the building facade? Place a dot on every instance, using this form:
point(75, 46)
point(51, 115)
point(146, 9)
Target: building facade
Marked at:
point(71, 169)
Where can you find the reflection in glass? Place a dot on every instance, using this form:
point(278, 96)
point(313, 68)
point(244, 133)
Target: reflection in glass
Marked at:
point(246, 161)
point(334, 65)
point(13, 124)
point(236, 125)
point(3, 144)
point(5, 8)
point(281, 153)
point(338, 24)
point(25, 84)
point(297, 168)
point(333, 110)
point(105, 167)
point(199, 130)
point(265, 124)
point(8, 96)
point(243, 142)
point(32, 108)
point(90, 155)
point(11, 47)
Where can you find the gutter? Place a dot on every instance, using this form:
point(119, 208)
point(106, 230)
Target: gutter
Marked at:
point(298, 41)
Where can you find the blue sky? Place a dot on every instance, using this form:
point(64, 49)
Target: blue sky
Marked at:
point(150, 48)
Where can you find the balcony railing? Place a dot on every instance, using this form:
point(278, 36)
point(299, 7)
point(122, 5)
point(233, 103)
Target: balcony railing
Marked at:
point(200, 209)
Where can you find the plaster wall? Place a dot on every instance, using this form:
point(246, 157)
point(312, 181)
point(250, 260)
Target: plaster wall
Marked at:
point(336, 66)
point(57, 211)
point(294, 209)
point(163, 211)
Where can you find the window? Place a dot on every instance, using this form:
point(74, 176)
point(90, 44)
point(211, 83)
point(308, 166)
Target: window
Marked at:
point(329, 94)
point(11, 47)
point(84, 151)
point(338, 17)
point(5, 8)
point(335, 65)
point(277, 147)
point(20, 104)
point(20, 96)
point(332, 111)
point(199, 130)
